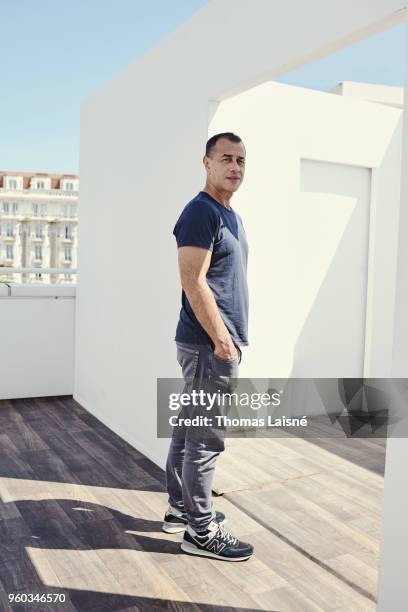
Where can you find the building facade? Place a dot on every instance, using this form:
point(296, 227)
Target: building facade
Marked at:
point(38, 225)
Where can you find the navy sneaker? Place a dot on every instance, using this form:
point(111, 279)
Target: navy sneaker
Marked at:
point(215, 542)
point(175, 520)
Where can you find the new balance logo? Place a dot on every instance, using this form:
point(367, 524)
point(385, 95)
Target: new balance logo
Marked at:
point(216, 546)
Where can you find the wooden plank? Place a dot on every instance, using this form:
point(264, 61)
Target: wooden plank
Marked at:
point(82, 511)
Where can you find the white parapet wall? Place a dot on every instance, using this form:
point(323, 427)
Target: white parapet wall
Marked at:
point(37, 340)
point(384, 94)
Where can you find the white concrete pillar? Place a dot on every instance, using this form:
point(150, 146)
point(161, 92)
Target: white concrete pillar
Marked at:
point(393, 582)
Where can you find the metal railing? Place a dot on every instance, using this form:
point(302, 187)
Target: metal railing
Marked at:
point(34, 192)
point(6, 272)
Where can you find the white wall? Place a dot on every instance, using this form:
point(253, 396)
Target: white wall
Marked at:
point(308, 202)
point(142, 137)
point(37, 340)
point(372, 92)
point(393, 584)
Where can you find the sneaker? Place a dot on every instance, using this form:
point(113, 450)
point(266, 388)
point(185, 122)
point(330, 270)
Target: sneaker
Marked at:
point(215, 542)
point(175, 520)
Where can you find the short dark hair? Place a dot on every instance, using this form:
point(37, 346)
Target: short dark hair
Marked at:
point(214, 139)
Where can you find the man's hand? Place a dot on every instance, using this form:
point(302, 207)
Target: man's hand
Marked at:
point(229, 352)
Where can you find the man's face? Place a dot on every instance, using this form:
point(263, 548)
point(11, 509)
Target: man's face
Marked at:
point(226, 166)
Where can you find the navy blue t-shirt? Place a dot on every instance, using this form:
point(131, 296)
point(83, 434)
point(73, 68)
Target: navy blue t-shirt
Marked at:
point(206, 223)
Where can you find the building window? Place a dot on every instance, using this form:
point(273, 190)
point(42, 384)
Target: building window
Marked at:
point(64, 209)
point(38, 231)
point(68, 232)
point(38, 251)
point(67, 253)
point(5, 207)
point(40, 185)
point(35, 210)
point(15, 208)
point(43, 210)
point(38, 275)
point(9, 230)
point(12, 184)
point(69, 186)
point(9, 251)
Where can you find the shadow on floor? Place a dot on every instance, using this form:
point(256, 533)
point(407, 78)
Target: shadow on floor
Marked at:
point(68, 525)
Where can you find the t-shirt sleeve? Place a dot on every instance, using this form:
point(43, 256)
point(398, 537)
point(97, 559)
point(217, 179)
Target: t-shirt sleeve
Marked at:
point(197, 226)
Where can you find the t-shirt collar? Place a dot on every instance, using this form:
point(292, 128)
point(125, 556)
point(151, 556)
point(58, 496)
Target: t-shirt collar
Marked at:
point(205, 194)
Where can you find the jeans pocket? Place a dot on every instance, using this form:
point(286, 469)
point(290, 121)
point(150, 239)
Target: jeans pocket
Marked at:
point(188, 359)
point(224, 372)
point(226, 367)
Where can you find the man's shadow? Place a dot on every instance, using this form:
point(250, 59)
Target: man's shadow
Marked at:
point(66, 524)
point(77, 448)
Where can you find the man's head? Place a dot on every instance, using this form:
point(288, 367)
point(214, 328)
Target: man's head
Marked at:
point(224, 162)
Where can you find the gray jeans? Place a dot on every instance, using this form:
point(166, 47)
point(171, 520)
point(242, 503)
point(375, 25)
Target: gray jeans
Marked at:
point(193, 451)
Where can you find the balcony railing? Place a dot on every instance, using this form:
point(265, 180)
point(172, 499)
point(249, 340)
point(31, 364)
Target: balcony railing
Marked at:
point(39, 192)
point(6, 271)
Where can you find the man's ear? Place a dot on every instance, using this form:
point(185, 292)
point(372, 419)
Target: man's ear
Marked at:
point(205, 162)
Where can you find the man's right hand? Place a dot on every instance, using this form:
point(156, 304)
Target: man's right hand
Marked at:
point(228, 352)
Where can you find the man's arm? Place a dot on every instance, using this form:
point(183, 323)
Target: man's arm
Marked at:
point(193, 265)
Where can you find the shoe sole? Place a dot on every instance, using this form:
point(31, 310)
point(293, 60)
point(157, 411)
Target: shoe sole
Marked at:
point(190, 549)
point(174, 528)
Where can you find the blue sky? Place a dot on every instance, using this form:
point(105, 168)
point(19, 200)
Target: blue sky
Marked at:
point(57, 52)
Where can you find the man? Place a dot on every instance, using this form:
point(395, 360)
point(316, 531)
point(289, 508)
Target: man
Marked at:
point(212, 255)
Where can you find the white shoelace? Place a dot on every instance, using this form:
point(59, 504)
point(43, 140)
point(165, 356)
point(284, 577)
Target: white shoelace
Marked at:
point(226, 535)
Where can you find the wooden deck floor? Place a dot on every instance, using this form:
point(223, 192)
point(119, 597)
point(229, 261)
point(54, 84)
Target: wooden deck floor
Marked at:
point(81, 511)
